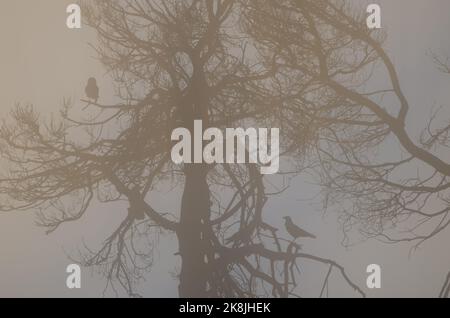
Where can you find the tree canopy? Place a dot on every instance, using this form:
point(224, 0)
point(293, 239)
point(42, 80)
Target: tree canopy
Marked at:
point(302, 66)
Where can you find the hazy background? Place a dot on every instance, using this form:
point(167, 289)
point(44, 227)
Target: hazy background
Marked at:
point(41, 62)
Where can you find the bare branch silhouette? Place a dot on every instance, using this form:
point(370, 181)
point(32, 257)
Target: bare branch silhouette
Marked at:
point(370, 166)
point(302, 66)
point(445, 292)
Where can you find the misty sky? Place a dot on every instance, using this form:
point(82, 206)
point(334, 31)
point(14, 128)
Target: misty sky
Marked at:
point(42, 62)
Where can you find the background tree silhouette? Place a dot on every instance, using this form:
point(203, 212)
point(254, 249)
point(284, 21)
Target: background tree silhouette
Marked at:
point(302, 66)
point(445, 291)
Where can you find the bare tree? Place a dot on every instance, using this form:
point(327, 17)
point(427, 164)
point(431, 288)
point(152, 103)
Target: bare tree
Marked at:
point(371, 167)
point(297, 65)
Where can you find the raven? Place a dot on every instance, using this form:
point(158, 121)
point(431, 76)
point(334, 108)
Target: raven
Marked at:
point(295, 231)
point(92, 91)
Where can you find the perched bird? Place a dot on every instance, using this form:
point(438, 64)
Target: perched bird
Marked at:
point(295, 231)
point(92, 91)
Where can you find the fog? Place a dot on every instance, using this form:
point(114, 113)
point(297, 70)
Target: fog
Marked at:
point(42, 62)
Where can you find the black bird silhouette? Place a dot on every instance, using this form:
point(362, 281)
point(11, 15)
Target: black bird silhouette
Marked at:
point(92, 91)
point(295, 231)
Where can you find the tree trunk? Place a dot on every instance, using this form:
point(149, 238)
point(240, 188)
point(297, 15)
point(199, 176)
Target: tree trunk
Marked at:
point(195, 214)
point(196, 202)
